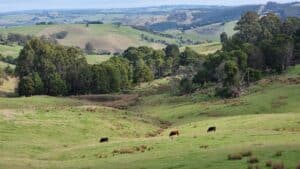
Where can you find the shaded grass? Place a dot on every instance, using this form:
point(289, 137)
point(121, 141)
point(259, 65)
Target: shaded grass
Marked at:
point(96, 59)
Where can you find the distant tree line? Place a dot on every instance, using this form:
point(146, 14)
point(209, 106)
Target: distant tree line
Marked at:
point(48, 68)
point(262, 45)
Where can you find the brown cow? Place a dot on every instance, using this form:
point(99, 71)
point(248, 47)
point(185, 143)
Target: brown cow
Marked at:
point(174, 133)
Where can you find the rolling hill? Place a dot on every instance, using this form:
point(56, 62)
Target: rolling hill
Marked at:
point(50, 132)
point(107, 37)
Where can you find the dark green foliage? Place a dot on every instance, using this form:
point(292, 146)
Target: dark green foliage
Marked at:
point(61, 70)
point(89, 48)
point(228, 92)
point(278, 53)
point(55, 85)
point(186, 86)
point(223, 37)
point(111, 76)
point(26, 86)
point(38, 84)
point(253, 75)
point(201, 77)
point(189, 57)
point(256, 58)
point(249, 28)
point(9, 70)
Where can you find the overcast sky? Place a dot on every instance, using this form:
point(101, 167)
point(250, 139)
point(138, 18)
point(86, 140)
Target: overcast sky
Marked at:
point(13, 5)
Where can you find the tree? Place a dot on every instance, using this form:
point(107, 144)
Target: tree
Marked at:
point(56, 86)
point(26, 86)
point(223, 37)
point(38, 84)
point(186, 86)
point(89, 48)
point(279, 52)
point(172, 58)
point(270, 24)
point(256, 58)
point(189, 57)
point(249, 28)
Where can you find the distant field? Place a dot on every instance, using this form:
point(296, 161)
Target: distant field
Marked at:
point(10, 50)
point(205, 48)
point(206, 33)
point(105, 37)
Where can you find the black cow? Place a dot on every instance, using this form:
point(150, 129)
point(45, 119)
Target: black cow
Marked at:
point(103, 140)
point(174, 133)
point(212, 129)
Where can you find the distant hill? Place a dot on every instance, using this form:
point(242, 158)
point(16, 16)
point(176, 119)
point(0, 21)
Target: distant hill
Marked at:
point(105, 37)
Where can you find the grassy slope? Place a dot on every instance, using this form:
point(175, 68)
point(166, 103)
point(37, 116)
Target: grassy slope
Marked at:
point(96, 59)
point(10, 50)
point(205, 48)
point(205, 33)
point(47, 132)
point(105, 37)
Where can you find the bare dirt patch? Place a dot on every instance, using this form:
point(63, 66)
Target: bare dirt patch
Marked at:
point(122, 101)
point(8, 114)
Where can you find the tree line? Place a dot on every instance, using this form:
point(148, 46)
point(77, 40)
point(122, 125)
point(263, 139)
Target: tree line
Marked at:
point(262, 45)
point(48, 68)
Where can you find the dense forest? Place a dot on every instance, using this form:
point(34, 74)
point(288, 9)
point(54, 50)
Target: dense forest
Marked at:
point(261, 46)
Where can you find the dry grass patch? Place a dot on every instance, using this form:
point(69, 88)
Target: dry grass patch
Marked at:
point(237, 156)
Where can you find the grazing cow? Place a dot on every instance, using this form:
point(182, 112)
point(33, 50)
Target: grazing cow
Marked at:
point(174, 133)
point(103, 140)
point(211, 129)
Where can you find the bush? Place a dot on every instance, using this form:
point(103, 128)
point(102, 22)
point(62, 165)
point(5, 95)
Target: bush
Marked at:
point(254, 75)
point(60, 35)
point(278, 165)
point(278, 154)
point(235, 156)
point(269, 163)
point(228, 92)
point(186, 86)
point(253, 159)
point(246, 153)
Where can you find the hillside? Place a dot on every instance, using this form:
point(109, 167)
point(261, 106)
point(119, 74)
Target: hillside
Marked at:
point(106, 37)
point(66, 132)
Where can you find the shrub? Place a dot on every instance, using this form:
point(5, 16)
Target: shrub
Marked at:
point(186, 86)
point(278, 165)
point(246, 153)
point(254, 75)
point(228, 92)
point(235, 156)
point(278, 154)
point(269, 163)
point(253, 159)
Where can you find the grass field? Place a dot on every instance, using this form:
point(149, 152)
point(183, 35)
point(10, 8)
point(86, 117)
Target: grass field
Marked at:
point(105, 37)
point(206, 48)
point(10, 50)
point(205, 33)
point(96, 59)
point(49, 132)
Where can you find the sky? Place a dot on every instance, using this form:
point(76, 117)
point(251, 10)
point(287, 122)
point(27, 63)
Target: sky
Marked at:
point(17, 5)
